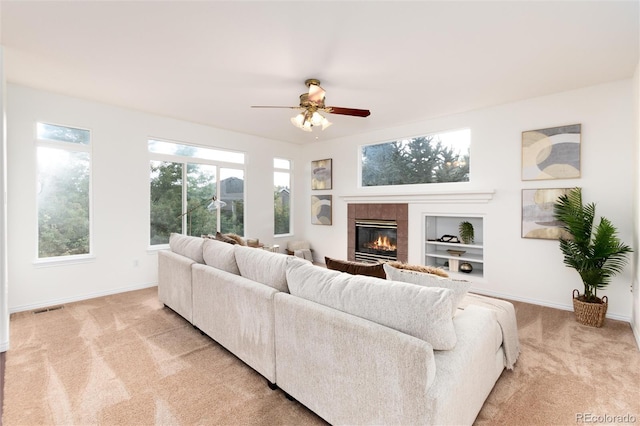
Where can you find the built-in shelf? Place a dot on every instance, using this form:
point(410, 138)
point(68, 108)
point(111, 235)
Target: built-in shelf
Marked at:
point(436, 254)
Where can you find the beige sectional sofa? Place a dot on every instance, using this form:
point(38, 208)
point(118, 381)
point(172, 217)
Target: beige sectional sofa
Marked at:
point(353, 349)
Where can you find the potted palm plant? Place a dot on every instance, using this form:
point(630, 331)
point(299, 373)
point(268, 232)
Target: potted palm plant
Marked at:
point(594, 251)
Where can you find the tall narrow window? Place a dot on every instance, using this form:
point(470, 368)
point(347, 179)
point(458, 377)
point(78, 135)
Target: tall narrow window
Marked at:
point(184, 181)
point(281, 196)
point(64, 191)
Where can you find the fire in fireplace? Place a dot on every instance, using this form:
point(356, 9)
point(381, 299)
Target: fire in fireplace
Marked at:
point(376, 240)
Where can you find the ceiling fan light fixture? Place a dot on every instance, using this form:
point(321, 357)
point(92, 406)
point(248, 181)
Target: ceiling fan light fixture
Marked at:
point(307, 119)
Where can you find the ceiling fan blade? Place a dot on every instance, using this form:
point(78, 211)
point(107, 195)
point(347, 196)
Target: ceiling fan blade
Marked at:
point(316, 93)
point(272, 106)
point(348, 111)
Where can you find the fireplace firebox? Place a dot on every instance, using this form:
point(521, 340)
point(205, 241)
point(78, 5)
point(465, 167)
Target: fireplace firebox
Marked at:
point(376, 240)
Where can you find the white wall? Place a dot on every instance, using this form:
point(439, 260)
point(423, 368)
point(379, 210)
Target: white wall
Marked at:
point(635, 320)
point(521, 269)
point(4, 289)
point(120, 194)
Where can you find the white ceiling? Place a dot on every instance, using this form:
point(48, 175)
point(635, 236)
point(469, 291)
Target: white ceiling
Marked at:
point(209, 61)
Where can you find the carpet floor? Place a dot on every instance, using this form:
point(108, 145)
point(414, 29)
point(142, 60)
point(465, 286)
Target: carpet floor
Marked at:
point(126, 360)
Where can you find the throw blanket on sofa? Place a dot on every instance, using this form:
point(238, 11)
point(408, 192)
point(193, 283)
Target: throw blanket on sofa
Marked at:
point(506, 316)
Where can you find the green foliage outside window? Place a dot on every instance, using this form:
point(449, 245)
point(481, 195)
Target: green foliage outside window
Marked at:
point(201, 216)
point(282, 210)
point(424, 159)
point(63, 203)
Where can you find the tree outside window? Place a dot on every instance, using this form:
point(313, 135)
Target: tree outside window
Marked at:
point(64, 191)
point(182, 191)
point(437, 158)
point(281, 196)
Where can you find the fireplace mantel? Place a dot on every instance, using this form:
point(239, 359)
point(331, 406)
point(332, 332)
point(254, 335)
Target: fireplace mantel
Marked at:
point(456, 197)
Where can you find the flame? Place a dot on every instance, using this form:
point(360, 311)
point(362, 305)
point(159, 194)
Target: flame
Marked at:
point(382, 243)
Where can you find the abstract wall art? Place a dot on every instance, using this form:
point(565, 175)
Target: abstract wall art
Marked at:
point(552, 153)
point(321, 209)
point(537, 213)
point(321, 174)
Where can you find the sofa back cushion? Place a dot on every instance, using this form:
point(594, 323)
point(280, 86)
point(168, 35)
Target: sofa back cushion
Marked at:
point(263, 266)
point(422, 312)
point(220, 255)
point(187, 246)
point(355, 268)
point(458, 287)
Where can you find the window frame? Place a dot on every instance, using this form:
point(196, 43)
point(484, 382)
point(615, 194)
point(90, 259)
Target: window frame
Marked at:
point(290, 172)
point(185, 161)
point(69, 147)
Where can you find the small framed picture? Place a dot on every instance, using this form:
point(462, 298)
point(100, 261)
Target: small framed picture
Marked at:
point(537, 213)
point(321, 174)
point(321, 209)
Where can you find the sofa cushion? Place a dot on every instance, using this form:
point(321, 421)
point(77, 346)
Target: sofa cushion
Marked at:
point(187, 246)
point(422, 312)
point(220, 255)
point(355, 268)
point(458, 287)
point(263, 266)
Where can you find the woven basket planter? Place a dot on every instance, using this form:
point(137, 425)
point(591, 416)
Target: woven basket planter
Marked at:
point(591, 314)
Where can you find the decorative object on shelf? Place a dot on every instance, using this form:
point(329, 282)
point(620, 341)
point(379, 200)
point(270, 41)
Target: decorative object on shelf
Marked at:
point(595, 252)
point(466, 232)
point(321, 209)
point(321, 174)
point(538, 219)
point(456, 252)
point(465, 267)
point(552, 153)
point(449, 239)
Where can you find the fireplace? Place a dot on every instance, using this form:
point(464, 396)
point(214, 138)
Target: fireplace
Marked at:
point(376, 240)
point(377, 232)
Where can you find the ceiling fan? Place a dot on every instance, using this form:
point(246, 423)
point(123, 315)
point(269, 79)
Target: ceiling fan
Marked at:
point(311, 103)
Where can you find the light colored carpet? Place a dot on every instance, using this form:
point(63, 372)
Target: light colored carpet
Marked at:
point(125, 360)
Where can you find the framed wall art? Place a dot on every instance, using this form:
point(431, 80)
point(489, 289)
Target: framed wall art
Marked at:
point(321, 209)
point(552, 153)
point(321, 174)
point(537, 213)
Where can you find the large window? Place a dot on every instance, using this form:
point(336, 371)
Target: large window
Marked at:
point(435, 158)
point(281, 196)
point(184, 181)
point(64, 191)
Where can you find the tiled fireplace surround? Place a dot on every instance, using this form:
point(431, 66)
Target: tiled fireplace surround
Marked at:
point(397, 212)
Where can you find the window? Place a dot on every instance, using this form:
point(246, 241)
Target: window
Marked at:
point(435, 158)
point(281, 196)
point(64, 191)
point(183, 181)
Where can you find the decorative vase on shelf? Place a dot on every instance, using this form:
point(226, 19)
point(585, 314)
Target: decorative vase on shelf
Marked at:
point(466, 267)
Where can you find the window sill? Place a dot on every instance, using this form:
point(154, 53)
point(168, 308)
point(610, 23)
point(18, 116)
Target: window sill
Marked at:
point(63, 261)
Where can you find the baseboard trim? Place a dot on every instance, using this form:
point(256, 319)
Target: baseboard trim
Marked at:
point(542, 303)
point(63, 300)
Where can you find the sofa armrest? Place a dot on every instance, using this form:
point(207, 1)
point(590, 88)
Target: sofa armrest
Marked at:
point(174, 283)
point(349, 370)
